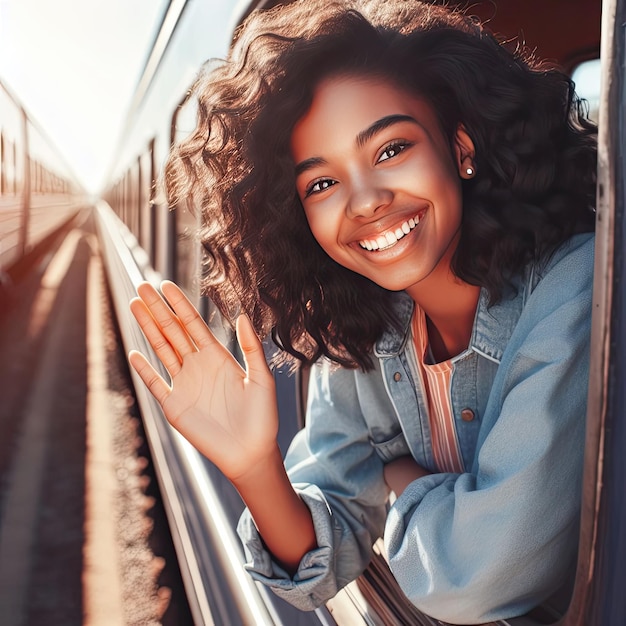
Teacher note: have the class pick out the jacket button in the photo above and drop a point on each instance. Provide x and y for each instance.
(397, 377)
(467, 415)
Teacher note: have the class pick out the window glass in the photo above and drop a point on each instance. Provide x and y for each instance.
(188, 251)
(586, 77)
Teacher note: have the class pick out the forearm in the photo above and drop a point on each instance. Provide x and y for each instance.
(283, 520)
(401, 472)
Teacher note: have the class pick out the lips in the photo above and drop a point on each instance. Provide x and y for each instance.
(389, 238)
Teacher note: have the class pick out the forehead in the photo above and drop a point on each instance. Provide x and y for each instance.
(344, 106)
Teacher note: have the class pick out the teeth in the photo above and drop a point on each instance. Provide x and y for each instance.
(391, 237)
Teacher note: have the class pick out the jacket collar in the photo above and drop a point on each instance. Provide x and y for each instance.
(492, 329)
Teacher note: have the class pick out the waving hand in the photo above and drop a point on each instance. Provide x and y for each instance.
(229, 414)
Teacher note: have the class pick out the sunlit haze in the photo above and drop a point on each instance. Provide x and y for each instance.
(74, 65)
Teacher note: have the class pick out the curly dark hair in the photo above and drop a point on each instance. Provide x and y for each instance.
(535, 158)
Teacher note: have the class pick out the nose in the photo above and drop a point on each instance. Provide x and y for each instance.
(367, 197)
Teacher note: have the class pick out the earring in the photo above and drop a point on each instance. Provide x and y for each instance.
(469, 171)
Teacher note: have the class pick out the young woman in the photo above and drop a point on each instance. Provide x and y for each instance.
(408, 206)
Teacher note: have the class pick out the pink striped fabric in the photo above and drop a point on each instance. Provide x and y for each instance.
(435, 380)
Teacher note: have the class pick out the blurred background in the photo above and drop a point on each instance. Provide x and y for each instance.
(75, 65)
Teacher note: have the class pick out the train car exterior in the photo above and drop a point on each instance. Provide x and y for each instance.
(144, 239)
(38, 192)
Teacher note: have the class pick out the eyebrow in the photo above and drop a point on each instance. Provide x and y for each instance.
(361, 139)
(384, 122)
(309, 164)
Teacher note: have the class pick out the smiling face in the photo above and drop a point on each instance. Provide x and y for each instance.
(380, 183)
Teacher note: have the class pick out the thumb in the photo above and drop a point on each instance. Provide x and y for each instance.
(252, 348)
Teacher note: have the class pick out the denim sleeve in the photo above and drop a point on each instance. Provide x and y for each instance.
(498, 540)
(333, 467)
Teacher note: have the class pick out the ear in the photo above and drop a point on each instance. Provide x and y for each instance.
(464, 153)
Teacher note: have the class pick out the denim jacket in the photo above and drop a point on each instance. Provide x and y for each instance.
(493, 541)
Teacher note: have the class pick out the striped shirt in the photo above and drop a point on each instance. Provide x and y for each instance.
(436, 379)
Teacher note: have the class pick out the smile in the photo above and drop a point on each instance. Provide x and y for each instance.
(391, 237)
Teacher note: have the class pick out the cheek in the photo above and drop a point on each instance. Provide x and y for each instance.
(320, 225)
(325, 230)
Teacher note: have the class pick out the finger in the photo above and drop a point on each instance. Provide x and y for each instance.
(168, 356)
(153, 381)
(188, 315)
(252, 348)
(166, 319)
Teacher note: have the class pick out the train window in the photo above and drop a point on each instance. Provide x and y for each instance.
(151, 200)
(127, 195)
(139, 191)
(128, 202)
(586, 77)
(10, 168)
(188, 250)
(135, 175)
(2, 165)
(144, 164)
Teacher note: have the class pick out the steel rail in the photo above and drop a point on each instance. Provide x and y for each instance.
(207, 548)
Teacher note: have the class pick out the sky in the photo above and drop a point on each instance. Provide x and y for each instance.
(74, 65)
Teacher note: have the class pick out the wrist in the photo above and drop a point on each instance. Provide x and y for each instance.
(264, 471)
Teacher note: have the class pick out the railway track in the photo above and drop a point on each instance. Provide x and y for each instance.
(83, 535)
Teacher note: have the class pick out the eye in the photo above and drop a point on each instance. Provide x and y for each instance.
(318, 186)
(392, 150)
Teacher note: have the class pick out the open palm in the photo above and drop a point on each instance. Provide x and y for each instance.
(229, 414)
